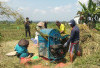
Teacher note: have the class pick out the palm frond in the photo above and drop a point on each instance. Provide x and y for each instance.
(83, 6)
(90, 4)
(94, 7)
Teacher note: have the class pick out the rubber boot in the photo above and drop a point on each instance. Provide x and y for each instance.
(78, 53)
(71, 57)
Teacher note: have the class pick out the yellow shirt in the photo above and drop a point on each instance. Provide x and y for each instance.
(62, 28)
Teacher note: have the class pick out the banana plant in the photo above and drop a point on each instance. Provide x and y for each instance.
(91, 10)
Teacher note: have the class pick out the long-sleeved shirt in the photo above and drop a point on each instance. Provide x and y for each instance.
(21, 49)
(74, 34)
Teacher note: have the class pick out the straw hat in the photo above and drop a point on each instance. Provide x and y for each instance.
(13, 53)
(40, 24)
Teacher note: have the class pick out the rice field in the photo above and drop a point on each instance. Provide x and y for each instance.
(11, 34)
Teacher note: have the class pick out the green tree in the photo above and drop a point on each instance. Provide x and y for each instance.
(6, 11)
(91, 10)
(19, 20)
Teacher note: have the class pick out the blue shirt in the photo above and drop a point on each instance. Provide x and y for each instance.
(74, 33)
(20, 49)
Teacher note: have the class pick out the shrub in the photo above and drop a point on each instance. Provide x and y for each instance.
(0, 36)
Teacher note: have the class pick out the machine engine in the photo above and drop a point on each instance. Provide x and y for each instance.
(50, 44)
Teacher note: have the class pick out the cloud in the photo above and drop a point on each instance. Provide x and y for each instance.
(39, 11)
(61, 9)
(62, 13)
(54, 13)
(4, 0)
(20, 9)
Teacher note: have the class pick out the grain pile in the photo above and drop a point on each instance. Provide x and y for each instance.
(89, 40)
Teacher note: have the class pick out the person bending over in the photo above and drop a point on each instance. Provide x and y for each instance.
(21, 49)
(61, 27)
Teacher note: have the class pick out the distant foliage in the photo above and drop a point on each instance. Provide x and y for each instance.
(89, 13)
(98, 26)
(19, 20)
(7, 12)
(0, 36)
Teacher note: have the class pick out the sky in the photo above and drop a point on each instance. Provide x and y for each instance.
(46, 10)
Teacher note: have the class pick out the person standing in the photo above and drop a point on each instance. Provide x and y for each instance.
(40, 26)
(73, 40)
(27, 27)
(45, 24)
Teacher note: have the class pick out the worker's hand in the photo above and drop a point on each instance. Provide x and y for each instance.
(65, 45)
(62, 32)
(28, 57)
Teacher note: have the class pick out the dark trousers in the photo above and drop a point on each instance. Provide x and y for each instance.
(27, 30)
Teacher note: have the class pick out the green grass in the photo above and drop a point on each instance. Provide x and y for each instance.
(16, 32)
(11, 33)
(5, 61)
(98, 26)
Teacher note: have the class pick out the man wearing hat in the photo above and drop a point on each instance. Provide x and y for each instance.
(27, 27)
(73, 40)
